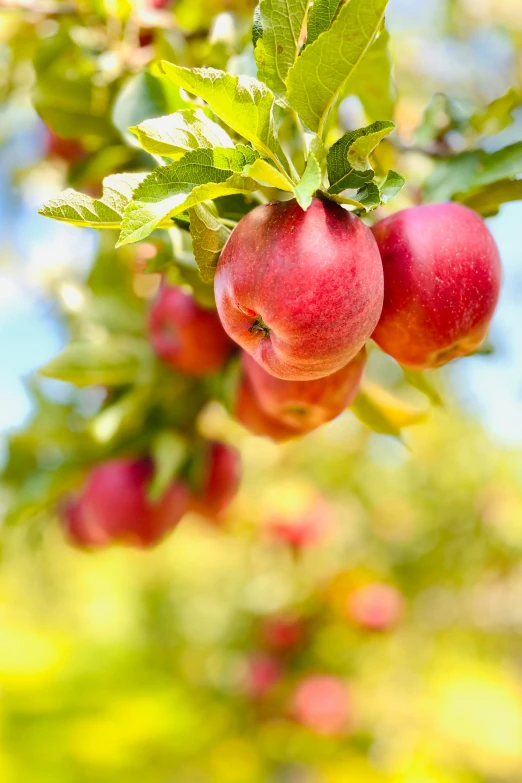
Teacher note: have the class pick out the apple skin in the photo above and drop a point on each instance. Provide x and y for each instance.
(283, 633)
(263, 673)
(248, 411)
(376, 606)
(442, 279)
(322, 703)
(305, 404)
(184, 335)
(113, 507)
(300, 291)
(69, 150)
(220, 481)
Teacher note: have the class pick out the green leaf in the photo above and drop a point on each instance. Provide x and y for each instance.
(320, 18)
(277, 49)
(322, 71)
(372, 82)
(449, 176)
(208, 239)
(502, 164)
(470, 170)
(110, 363)
(487, 199)
(369, 196)
(419, 381)
(266, 174)
(351, 202)
(257, 26)
(107, 212)
(172, 189)
(364, 144)
(243, 103)
(310, 182)
(144, 97)
(391, 186)
(315, 146)
(124, 415)
(497, 115)
(347, 169)
(67, 93)
(384, 413)
(185, 130)
(169, 452)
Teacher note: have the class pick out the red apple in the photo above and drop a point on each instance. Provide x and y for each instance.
(69, 150)
(300, 291)
(442, 279)
(263, 672)
(113, 507)
(248, 411)
(186, 336)
(305, 404)
(376, 606)
(282, 633)
(220, 481)
(322, 703)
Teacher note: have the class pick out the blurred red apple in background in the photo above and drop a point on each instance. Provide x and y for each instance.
(113, 506)
(322, 703)
(282, 633)
(69, 150)
(263, 672)
(305, 404)
(219, 482)
(376, 606)
(442, 279)
(300, 291)
(186, 336)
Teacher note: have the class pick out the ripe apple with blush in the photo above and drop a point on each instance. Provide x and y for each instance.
(186, 336)
(219, 482)
(248, 411)
(301, 291)
(305, 405)
(442, 280)
(113, 507)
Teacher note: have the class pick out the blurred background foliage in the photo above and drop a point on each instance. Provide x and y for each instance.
(357, 614)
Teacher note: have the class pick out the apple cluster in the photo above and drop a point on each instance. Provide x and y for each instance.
(301, 292)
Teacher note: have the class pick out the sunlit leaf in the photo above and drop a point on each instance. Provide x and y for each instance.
(320, 18)
(178, 133)
(323, 69)
(384, 413)
(266, 174)
(372, 82)
(245, 104)
(165, 192)
(277, 49)
(309, 183)
(107, 212)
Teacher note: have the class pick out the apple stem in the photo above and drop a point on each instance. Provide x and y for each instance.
(258, 325)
